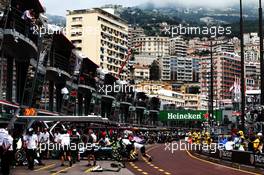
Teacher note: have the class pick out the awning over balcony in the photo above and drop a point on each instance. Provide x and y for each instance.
(29, 4)
(89, 66)
(109, 79)
(61, 54)
(87, 75)
(61, 42)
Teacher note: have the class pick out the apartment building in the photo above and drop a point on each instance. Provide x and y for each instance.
(101, 36)
(252, 73)
(133, 32)
(152, 87)
(152, 45)
(225, 47)
(251, 38)
(195, 66)
(205, 101)
(165, 68)
(144, 59)
(178, 47)
(192, 101)
(170, 99)
(181, 69)
(226, 70)
(141, 72)
(252, 55)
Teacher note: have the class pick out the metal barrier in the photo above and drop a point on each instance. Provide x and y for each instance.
(240, 157)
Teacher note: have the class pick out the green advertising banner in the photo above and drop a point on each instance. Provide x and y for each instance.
(189, 115)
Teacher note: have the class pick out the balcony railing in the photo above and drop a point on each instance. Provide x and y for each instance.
(62, 62)
(89, 80)
(15, 22)
(123, 97)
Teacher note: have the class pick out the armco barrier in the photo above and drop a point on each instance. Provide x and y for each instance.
(241, 157)
(258, 160)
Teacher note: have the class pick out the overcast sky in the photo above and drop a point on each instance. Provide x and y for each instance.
(59, 7)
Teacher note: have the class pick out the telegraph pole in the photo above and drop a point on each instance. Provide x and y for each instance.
(211, 113)
(242, 84)
(261, 53)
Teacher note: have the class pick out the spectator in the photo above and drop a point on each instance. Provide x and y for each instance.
(90, 139)
(257, 145)
(142, 149)
(56, 136)
(239, 140)
(250, 143)
(30, 143)
(104, 141)
(75, 140)
(229, 144)
(7, 153)
(46, 141)
(40, 142)
(65, 147)
(28, 16)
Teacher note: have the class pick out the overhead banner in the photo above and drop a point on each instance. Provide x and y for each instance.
(197, 115)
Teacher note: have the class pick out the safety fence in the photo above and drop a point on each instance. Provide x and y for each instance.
(240, 157)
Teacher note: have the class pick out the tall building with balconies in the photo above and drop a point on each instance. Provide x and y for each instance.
(181, 69)
(192, 101)
(170, 100)
(178, 47)
(101, 36)
(141, 72)
(133, 32)
(225, 47)
(144, 59)
(165, 67)
(195, 62)
(252, 55)
(226, 70)
(252, 73)
(152, 45)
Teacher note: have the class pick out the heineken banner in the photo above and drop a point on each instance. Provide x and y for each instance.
(197, 115)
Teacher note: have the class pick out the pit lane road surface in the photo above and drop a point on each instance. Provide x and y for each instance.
(52, 167)
(179, 163)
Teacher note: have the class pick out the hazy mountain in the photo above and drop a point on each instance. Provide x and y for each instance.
(56, 20)
(191, 14)
(151, 15)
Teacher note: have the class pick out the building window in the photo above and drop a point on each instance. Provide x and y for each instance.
(76, 26)
(76, 19)
(76, 41)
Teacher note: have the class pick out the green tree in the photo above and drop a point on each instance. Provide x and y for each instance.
(154, 71)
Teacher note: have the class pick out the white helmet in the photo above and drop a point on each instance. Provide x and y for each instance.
(2, 130)
(259, 134)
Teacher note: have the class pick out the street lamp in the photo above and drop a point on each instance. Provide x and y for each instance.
(242, 84)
